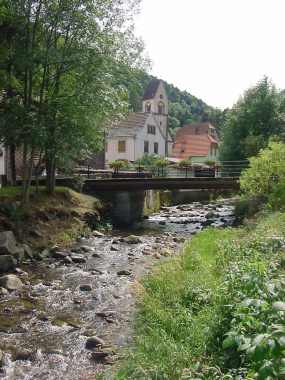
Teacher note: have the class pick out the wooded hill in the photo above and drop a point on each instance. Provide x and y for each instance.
(183, 107)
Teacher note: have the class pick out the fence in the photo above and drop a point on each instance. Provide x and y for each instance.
(222, 169)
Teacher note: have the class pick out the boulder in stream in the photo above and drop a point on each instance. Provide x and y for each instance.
(11, 282)
(132, 239)
(7, 263)
(94, 342)
(124, 273)
(98, 234)
(85, 288)
(8, 243)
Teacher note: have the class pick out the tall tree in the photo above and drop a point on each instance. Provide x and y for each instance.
(257, 116)
(68, 91)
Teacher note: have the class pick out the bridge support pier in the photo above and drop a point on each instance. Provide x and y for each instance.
(127, 207)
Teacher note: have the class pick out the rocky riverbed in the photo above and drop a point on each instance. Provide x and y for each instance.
(73, 311)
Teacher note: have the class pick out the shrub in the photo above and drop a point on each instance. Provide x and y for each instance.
(118, 165)
(266, 171)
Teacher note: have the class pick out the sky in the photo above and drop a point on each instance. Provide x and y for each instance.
(214, 49)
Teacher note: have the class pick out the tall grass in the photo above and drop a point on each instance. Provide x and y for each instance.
(188, 306)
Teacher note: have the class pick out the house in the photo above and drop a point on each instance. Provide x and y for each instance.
(198, 141)
(143, 132)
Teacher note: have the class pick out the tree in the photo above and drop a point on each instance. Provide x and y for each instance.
(67, 89)
(257, 116)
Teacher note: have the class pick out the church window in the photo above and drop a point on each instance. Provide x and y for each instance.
(146, 147)
(151, 129)
(161, 96)
(155, 148)
(122, 146)
(161, 108)
(148, 107)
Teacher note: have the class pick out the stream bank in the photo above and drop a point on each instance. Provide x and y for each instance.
(89, 291)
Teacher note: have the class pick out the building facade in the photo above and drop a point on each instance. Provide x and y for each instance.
(198, 142)
(143, 132)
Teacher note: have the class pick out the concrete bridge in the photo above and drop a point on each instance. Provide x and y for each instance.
(92, 186)
(131, 196)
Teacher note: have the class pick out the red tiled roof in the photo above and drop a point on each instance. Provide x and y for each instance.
(193, 140)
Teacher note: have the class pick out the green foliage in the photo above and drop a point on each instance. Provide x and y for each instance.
(217, 311)
(266, 172)
(256, 117)
(59, 64)
(118, 165)
(161, 162)
(210, 163)
(147, 160)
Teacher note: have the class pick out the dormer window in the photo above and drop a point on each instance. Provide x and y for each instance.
(148, 107)
(161, 108)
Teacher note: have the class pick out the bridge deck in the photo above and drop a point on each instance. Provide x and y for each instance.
(136, 184)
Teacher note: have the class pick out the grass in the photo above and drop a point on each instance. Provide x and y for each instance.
(190, 304)
(59, 218)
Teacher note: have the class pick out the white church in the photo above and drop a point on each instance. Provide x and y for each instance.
(143, 132)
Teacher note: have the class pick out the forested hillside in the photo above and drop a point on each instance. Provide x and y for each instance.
(183, 108)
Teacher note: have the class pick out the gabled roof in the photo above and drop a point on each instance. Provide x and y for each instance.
(151, 89)
(135, 119)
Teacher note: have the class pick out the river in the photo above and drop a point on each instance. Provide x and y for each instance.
(44, 330)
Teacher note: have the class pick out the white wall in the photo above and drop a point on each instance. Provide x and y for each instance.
(143, 136)
(112, 153)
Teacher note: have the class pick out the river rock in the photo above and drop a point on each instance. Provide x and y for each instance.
(132, 239)
(24, 355)
(44, 254)
(177, 239)
(94, 342)
(78, 259)
(19, 254)
(85, 288)
(98, 234)
(114, 249)
(28, 251)
(61, 255)
(8, 243)
(124, 273)
(100, 356)
(3, 292)
(1, 358)
(11, 282)
(86, 249)
(7, 263)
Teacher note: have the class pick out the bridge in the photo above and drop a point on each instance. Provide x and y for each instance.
(140, 184)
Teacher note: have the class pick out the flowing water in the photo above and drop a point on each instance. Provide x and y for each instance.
(43, 330)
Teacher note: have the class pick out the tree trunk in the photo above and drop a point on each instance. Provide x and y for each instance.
(28, 172)
(50, 182)
(12, 153)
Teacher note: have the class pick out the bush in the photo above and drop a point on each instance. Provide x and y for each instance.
(266, 171)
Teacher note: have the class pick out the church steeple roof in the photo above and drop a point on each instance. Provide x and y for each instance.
(151, 89)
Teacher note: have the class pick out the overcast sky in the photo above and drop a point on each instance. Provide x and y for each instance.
(215, 49)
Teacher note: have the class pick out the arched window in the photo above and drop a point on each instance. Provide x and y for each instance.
(161, 108)
(148, 107)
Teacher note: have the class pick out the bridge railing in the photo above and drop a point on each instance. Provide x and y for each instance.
(222, 169)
